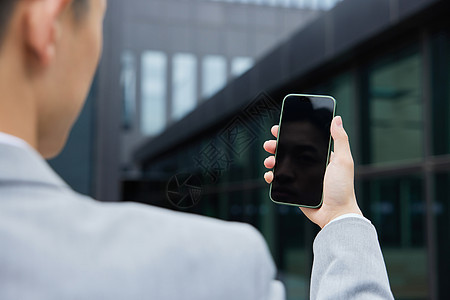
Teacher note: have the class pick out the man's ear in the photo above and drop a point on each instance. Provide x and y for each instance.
(42, 27)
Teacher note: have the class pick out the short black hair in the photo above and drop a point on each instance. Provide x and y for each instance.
(7, 7)
(304, 111)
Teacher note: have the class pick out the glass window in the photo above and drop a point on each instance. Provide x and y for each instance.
(341, 88)
(394, 129)
(214, 70)
(396, 207)
(128, 82)
(308, 4)
(184, 85)
(240, 65)
(440, 82)
(442, 218)
(154, 83)
(328, 4)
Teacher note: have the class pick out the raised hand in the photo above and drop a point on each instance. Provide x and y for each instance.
(338, 191)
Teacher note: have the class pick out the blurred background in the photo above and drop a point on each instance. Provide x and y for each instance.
(187, 90)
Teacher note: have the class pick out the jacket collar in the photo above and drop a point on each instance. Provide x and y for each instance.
(26, 165)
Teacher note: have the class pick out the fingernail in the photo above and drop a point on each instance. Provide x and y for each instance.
(339, 121)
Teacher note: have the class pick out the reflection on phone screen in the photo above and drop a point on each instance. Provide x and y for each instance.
(303, 150)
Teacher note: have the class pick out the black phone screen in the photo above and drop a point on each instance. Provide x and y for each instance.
(303, 149)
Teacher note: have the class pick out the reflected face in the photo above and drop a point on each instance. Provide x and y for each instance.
(300, 164)
(302, 150)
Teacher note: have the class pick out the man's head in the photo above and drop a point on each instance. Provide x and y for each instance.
(49, 51)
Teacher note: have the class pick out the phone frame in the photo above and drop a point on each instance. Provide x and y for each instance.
(276, 149)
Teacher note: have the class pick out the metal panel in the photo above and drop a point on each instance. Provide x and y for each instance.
(407, 7)
(307, 48)
(356, 20)
(274, 71)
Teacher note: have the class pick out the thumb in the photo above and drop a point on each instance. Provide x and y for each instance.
(340, 138)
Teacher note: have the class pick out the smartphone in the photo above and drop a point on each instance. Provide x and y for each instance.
(303, 150)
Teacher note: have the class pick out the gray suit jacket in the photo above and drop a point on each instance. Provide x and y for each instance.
(348, 263)
(58, 244)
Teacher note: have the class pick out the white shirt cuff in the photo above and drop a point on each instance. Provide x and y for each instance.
(351, 215)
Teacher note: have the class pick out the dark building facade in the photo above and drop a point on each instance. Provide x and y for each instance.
(387, 63)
